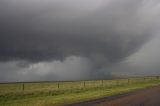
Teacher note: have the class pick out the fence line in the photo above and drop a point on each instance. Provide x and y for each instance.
(77, 84)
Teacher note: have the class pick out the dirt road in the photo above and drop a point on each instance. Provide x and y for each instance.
(147, 97)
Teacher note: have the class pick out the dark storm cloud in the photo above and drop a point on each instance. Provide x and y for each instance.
(104, 31)
(34, 31)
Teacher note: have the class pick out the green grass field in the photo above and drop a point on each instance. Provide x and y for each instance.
(61, 93)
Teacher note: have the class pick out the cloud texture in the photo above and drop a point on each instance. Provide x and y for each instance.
(101, 33)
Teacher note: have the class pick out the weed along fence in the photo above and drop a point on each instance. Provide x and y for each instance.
(56, 93)
(70, 85)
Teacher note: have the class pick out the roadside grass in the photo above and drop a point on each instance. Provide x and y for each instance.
(48, 94)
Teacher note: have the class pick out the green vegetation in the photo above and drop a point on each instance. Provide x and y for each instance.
(60, 93)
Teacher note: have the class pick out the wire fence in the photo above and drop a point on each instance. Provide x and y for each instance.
(69, 85)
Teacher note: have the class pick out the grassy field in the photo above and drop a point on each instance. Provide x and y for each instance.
(60, 93)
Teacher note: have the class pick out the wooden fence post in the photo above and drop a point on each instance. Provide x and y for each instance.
(22, 86)
(102, 82)
(84, 84)
(128, 81)
(58, 85)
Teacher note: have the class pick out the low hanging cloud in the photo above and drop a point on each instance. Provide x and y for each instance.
(100, 33)
(71, 68)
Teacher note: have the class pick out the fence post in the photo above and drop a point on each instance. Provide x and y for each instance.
(128, 81)
(102, 82)
(22, 86)
(84, 84)
(58, 84)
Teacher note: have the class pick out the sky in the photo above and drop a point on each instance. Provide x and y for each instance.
(56, 40)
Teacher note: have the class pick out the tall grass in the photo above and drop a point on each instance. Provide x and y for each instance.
(58, 93)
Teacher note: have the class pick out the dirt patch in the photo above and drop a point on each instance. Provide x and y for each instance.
(147, 97)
